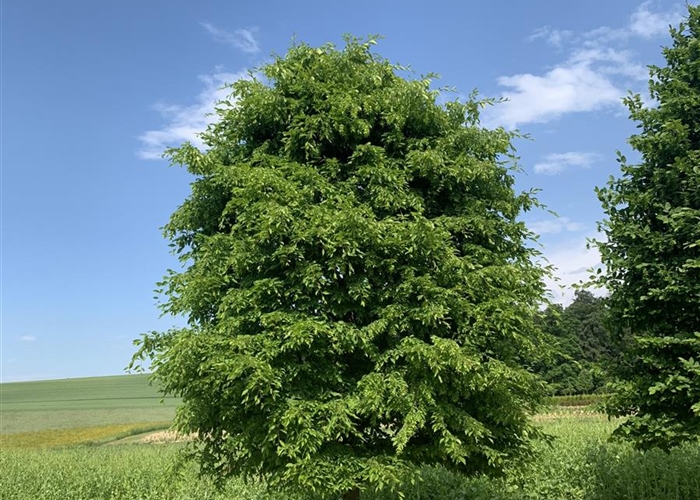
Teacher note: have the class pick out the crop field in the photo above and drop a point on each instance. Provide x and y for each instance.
(59, 412)
(81, 439)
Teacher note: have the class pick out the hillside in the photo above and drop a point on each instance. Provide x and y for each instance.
(81, 402)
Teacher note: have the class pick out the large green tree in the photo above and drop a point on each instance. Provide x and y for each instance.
(652, 254)
(582, 346)
(360, 294)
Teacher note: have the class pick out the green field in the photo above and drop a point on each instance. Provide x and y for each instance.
(55, 434)
(28, 407)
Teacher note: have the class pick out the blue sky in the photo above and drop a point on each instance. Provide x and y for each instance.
(93, 91)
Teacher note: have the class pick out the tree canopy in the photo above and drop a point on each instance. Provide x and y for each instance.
(361, 297)
(583, 347)
(652, 253)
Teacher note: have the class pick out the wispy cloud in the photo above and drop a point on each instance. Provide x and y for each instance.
(552, 36)
(27, 338)
(242, 39)
(555, 226)
(608, 61)
(572, 260)
(186, 122)
(558, 162)
(648, 24)
(594, 75)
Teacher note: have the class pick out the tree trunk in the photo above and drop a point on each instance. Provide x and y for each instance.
(353, 494)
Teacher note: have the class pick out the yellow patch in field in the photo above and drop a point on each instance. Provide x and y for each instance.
(68, 437)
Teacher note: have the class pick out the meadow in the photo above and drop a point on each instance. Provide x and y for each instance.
(580, 462)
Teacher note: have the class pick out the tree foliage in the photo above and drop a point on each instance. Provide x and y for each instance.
(652, 253)
(360, 294)
(583, 346)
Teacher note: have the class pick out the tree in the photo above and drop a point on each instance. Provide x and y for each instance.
(594, 339)
(360, 295)
(652, 254)
(583, 347)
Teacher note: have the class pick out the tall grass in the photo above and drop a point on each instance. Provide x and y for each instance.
(580, 464)
(109, 473)
(619, 473)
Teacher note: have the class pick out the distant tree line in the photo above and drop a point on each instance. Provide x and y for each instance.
(583, 346)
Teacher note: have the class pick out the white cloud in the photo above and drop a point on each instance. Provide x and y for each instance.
(27, 338)
(597, 70)
(554, 226)
(572, 260)
(185, 122)
(571, 87)
(242, 38)
(648, 24)
(551, 36)
(609, 61)
(558, 162)
(604, 35)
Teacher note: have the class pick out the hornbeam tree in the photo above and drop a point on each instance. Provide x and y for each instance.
(652, 254)
(361, 296)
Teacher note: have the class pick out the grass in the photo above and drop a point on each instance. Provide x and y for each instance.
(114, 472)
(580, 464)
(49, 449)
(87, 402)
